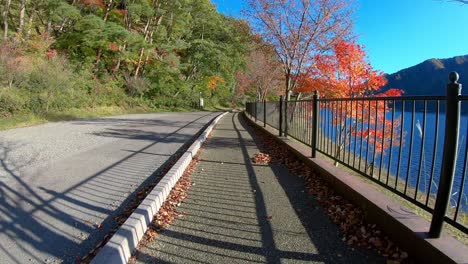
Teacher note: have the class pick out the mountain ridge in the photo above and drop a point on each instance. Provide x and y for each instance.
(428, 77)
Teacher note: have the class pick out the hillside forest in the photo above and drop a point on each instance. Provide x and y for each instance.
(59, 55)
(71, 58)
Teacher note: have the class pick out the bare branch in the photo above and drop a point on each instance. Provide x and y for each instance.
(299, 29)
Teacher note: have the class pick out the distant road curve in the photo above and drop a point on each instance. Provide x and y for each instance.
(62, 184)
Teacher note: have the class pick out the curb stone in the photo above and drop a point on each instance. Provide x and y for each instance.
(120, 247)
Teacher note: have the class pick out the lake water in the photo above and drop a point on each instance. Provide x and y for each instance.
(423, 161)
(413, 165)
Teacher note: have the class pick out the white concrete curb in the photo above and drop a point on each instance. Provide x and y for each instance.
(120, 247)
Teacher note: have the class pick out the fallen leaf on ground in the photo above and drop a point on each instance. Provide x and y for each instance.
(261, 158)
(348, 217)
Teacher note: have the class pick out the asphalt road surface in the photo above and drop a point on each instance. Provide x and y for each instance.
(62, 184)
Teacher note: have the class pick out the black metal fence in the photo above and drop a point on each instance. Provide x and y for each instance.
(417, 147)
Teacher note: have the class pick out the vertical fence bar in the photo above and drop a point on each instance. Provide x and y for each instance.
(329, 127)
(355, 133)
(421, 153)
(286, 125)
(410, 154)
(340, 119)
(449, 158)
(383, 137)
(255, 111)
(345, 132)
(362, 135)
(401, 143)
(264, 113)
(374, 154)
(281, 116)
(368, 136)
(350, 131)
(335, 119)
(462, 182)
(319, 128)
(391, 142)
(315, 110)
(434, 157)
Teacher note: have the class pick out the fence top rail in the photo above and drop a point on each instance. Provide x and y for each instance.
(376, 98)
(388, 98)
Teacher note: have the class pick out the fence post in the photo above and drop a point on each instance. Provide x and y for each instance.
(315, 109)
(255, 110)
(281, 116)
(264, 113)
(449, 158)
(285, 132)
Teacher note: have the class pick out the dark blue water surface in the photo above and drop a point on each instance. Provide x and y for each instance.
(417, 160)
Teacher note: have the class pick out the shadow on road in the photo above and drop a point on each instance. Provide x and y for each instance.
(70, 223)
(235, 215)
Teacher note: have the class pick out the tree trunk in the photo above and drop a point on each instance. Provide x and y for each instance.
(99, 51)
(157, 6)
(288, 84)
(140, 60)
(108, 9)
(158, 23)
(62, 25)
(142, 50)
(119, 61)
(30, 23)
(21, 17)
(98, 59)
(49, 27)
(5, 19)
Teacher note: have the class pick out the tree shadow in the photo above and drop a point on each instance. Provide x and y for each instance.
(137, 120)
(323, 233)
(39, 222)
(229, 213)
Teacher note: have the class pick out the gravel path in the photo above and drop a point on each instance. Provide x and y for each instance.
(240, 212)
(62, 184)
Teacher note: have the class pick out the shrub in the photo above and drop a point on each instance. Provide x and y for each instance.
(11, 102)
(137, 86)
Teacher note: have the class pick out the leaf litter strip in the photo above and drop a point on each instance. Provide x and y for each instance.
(168, 211)
(141, 195)
(347, 216)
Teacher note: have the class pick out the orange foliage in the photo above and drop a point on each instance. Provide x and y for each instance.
(121, 12)
(214, 81)
(113, 46)
(94, 2)
(346, 74)
(51, 53)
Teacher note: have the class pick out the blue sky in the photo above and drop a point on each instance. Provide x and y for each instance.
(401, 33)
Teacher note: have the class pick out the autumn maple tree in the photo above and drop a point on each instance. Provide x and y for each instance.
(262, 75)
(299, 30)
(345, 73)
(342, 73)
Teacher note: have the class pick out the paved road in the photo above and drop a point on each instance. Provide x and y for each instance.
(62, 184)
(240, 212)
